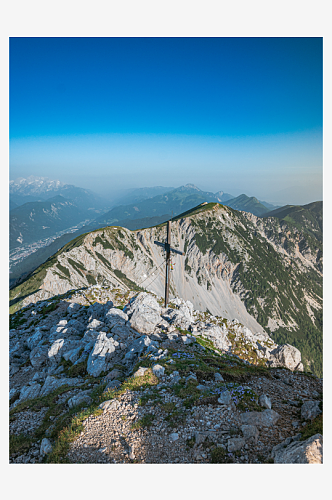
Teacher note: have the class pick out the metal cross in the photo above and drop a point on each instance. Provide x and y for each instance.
(169, 249)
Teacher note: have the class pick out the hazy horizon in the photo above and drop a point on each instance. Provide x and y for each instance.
(241, 115)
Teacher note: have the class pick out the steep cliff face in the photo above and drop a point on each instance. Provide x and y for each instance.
(264, 272)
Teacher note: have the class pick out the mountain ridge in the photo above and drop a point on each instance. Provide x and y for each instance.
(224, 270)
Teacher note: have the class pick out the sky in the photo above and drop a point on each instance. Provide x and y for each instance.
(241, 115)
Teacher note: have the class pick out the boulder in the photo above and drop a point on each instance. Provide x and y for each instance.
(60, 347)
(218, 377)
(136, 348)
(35, 339)
(145, 299)
(218, 336)
(225, 398)
(265, 401)
(122, 331)
(73, 354)
(300, 452)
(235, 444)
(45, 447)
(310, 410)
(73, 307)
(29, 392)
(285, 355)
(96, 311)
(90, 336)
(158, 370)
(140, 372)
(100, 355)
(95, 324)
(52, 383)
(250, 431)
(144, 319)
(82, 397)
(39, 356)
(144, 313)
(115, 317)
(188, 340)
(175, 377)
(77, 325)
(264, 418)
(111, 404)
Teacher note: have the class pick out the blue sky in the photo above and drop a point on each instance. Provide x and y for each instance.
(231, 114)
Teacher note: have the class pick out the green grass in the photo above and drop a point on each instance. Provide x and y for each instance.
(145, 421)
(219, 455)
(312, 428)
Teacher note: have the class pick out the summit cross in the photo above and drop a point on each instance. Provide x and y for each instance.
(169, 249)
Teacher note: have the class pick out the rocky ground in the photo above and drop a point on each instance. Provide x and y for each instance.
(124, 380)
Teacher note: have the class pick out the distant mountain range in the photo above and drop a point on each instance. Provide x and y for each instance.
(176, 201)
(35, 189)
(41, 208)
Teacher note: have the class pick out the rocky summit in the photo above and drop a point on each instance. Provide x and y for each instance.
(103, 375)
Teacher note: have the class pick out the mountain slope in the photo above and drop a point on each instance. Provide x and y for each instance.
(36, 220)
(264, 272)
(247, 204)
(308, 218)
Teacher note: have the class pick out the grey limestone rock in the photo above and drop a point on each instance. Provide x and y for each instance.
(95, 324)
(218, 336)
(115, 373)
(144, 319)
(77, 325)
(285, 355)
(122, 331)
(250, 431)
(115, 317)
(310, 410)
(300, 452)
(112, 384)
(73, 307)
(218, 377)
(73, 354)
(60, 347)
(96, 311)
(111, 404)
(140, 372)
(82, 397)
(39, 356)
(136, 348)
(45, 447)
(29, 392)
(158, 370)
(144, 313)
(99, 357)
(52, 383)
(35, 339)
(265, 401)
(225, 398)
(264, 418)
(235, 444)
